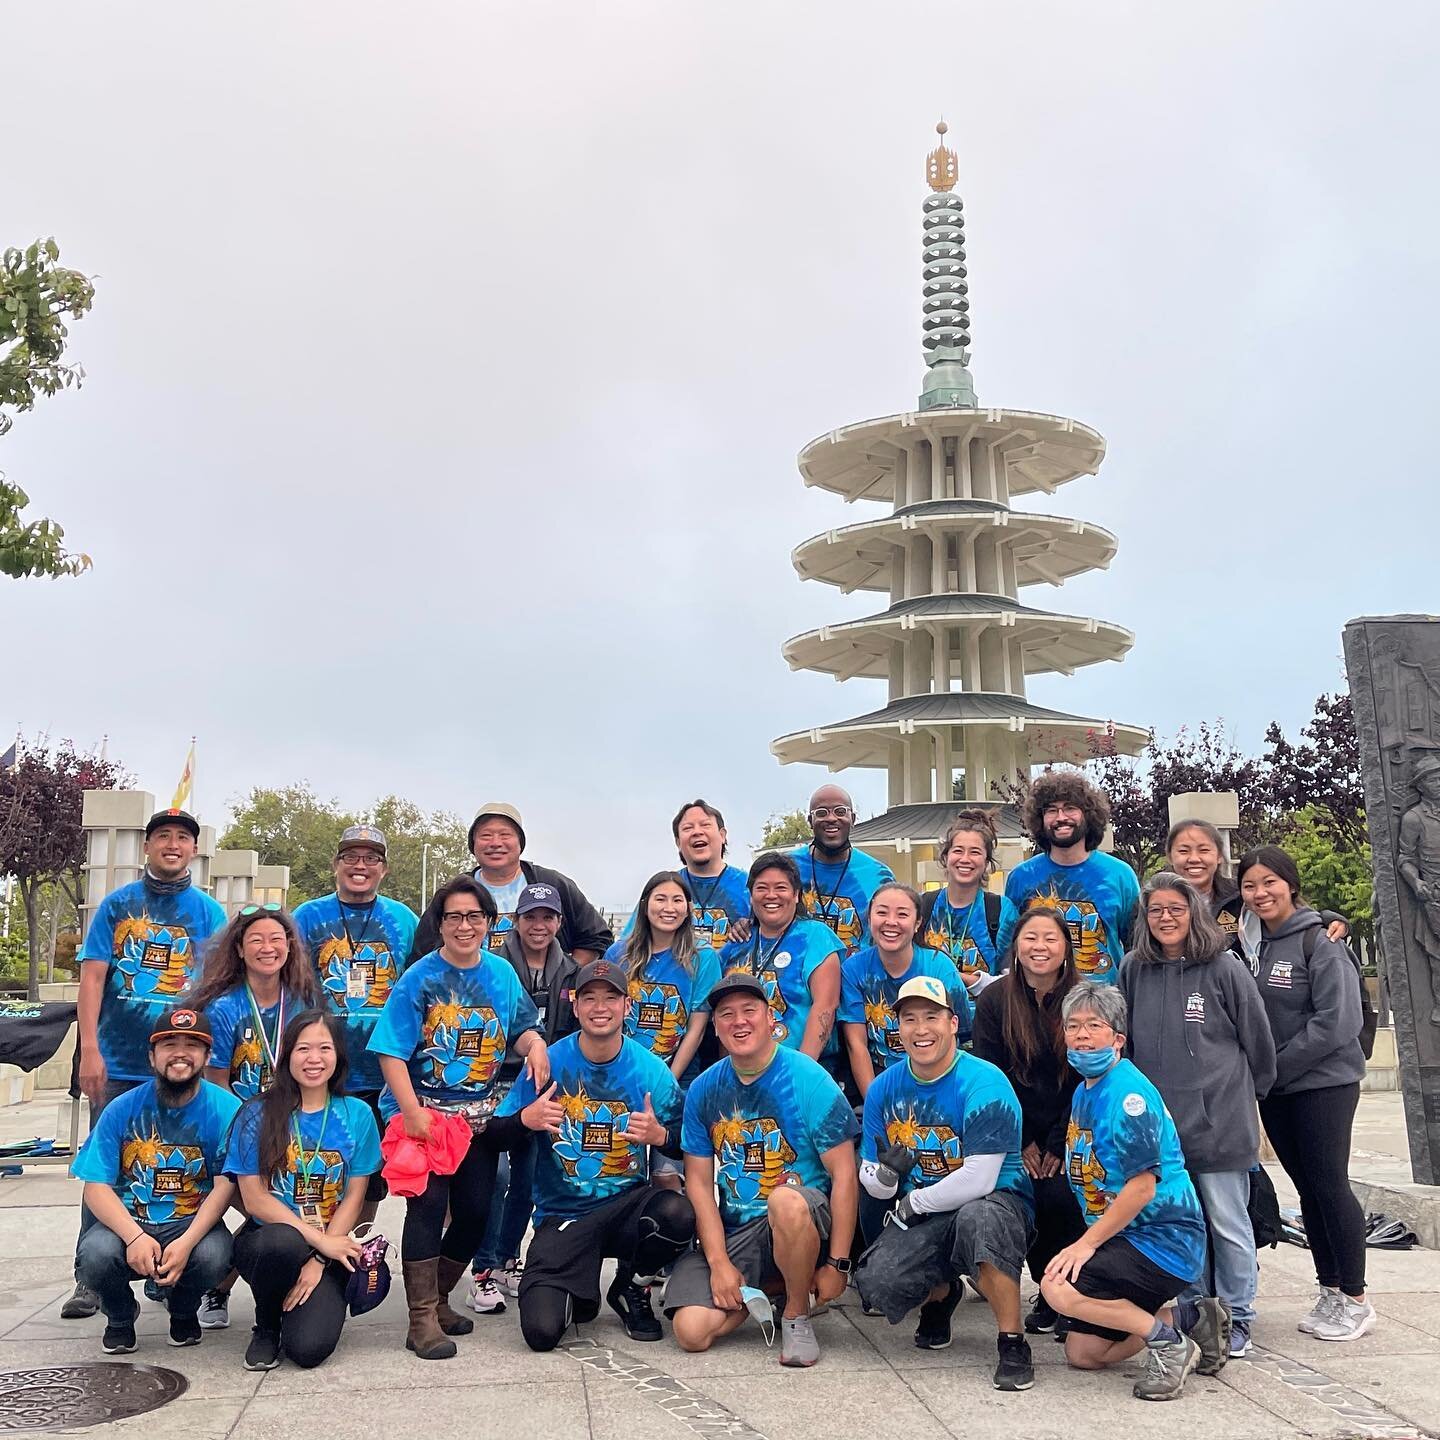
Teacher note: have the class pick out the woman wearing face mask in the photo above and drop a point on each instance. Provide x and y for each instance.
(1311, 993)
(965, 921)
(1017, 1027)
(1198, 1031)
(1145, 1236)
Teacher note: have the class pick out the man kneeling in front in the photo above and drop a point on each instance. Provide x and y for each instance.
(153, 1180)
(942, 1132)
(773, 1130)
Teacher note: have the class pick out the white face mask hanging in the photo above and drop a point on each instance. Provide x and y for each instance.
(757, 1302)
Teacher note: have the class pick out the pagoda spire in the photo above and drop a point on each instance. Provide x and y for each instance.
(948, 384)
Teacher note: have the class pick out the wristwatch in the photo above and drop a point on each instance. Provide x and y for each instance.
(843, 1263)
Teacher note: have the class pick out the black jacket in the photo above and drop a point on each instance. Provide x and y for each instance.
(1045, 1096)
(582, 926)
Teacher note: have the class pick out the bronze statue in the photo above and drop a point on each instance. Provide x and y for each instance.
(1419, 866)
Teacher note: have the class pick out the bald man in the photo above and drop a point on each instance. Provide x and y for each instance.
(837, 880)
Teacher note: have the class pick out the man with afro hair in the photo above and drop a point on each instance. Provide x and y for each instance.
(1095, 895)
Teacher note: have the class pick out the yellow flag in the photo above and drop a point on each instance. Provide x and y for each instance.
(187, 780)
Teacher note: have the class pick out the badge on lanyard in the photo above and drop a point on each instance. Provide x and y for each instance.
(359, 979)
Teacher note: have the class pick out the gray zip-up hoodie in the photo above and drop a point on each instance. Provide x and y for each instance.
(1198, 1031)
(1313, 1005)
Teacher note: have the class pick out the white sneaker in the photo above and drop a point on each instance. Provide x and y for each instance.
(485, 1298)
(1325, 1302)
(1348, 1320)
(508, 1279)
(215, 1310)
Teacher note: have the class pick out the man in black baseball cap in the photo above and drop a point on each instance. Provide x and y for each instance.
(173, 816)
(154, 1183)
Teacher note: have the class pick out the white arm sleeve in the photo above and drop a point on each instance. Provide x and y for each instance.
(873, 1184)
(976, 1177)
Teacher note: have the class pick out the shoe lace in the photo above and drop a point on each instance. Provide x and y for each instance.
(1159, 1366)
(1330, 1305)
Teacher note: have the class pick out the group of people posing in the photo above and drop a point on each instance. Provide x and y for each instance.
(775, 1083)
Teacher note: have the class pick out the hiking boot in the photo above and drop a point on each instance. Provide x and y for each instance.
(184, 1330)
(422, 1295)
(215, 1310)
(631, 1302)
(1325, 1302)
(1041, 1319)
(485, 1296)
(1211, 1332)
(798, 1345)
(933, 1331)
(447, 1274)
(1348, 1320)
(263, 1352)
(80, 1304)
(1239, 1339)
(1166, 1367)
(1016, 1370)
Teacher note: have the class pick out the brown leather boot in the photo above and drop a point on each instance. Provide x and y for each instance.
(422, 1294)
(451, 1321)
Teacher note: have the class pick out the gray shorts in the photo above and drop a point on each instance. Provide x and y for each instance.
(750, 1253)
(898, 1272)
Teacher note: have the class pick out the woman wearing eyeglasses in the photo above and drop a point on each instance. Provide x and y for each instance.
(1198, 1031)
(441, 1040)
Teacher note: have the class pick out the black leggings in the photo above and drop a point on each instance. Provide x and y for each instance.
(465, 1195)
(1058, 1222)
(1310, 1131)
(269, 1258)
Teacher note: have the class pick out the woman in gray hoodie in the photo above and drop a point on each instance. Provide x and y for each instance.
(1198, 1030)
(1311, 990)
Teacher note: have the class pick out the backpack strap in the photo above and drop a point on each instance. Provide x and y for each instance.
(992, 917)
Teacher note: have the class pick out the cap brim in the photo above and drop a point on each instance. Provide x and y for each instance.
(184, 1035)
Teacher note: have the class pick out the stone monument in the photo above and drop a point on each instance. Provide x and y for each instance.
(1393, 663)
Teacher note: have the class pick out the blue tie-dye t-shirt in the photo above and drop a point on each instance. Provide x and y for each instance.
(716, 902)
(237, 1046)
(785, 966)
(663, 996)
(969, 1110)
(337, 1144)
(964, 935)
(358, 970)
(1120, 1128)
(153, 945)
(767, 1133)
(592, 1160)
(838, 895)
(452, 1027)
(161, 1162)
(868, 991)
(506, 898)
(1096, 899)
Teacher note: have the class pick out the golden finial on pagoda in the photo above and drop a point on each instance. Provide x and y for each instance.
(941, 169)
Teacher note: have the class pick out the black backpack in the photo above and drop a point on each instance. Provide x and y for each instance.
(1368, 1018)
(931, 898)
(1264, 1209)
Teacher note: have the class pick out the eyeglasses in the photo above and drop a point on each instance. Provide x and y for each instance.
(1087, 1027)
(1159, 912)
(271, 908)
(824, 812)
(472, 918)
(362, 857)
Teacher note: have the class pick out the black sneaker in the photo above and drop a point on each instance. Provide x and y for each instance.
(81, 1304)
(263, 1352)
(1062, 1328)
(118, 1339)
(631, 1302)
(1016, 1370)
(933, 1331)
(1041, 1319)
(184, 1330)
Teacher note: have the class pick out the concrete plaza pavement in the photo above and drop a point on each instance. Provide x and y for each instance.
(870, 1381)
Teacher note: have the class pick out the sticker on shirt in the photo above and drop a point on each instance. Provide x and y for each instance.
(152, 959)
(359, 981)
(166, 1182)
(1088, 935)
(1133, 1105)
(1282, 975)
(937, 1148)
(463, 1045)
(592, 1144)
(1195, 1008)
(754, 1156)
(838, 913)
(657, 1015)
(1085, 1170)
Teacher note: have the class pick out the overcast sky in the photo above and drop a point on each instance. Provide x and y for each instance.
(449, 363)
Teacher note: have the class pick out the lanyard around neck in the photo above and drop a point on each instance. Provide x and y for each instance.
(759, 959)
(270, 1046)
(351, 942)
(826, 901)
(306, 1166)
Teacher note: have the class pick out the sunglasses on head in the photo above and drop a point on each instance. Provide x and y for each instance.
(270, 907)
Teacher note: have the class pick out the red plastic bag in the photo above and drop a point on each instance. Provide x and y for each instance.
(409, 1163)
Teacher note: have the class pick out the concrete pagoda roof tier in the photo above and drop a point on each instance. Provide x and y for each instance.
(1041, 452)
(1047, 549)
(870, 741)
(1051, 642)
(905, 825)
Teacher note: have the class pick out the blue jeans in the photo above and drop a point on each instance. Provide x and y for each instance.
(1233, 1271)
(100, 1263)
(511, 1206)
(114, 1089)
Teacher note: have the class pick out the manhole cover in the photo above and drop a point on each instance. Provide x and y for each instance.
(54, 1397)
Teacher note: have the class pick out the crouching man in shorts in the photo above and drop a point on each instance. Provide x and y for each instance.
(772, 1130)
(609, 1103)
(942, 1132)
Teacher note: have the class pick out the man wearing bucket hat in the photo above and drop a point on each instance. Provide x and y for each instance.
(154, 1181)
(497, 840)
(941, 1138)
(141, 953)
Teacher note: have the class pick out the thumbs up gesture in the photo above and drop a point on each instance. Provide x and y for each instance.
(544, 1113)
(643, 1128)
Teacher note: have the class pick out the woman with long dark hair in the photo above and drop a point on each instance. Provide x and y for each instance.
(442, 1039)
(1311, 992)
(1018, 1027)
(302, 1154)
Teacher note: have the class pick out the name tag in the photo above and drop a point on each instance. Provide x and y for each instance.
(359, 978)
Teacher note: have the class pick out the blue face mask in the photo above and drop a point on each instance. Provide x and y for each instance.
(1091, 1064)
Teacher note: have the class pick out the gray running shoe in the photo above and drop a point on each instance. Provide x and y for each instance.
(1211, 1332)
(1325, 1302)
(798, 1345)
(81, 1303)
(1349, 1320)
(1166, 1367)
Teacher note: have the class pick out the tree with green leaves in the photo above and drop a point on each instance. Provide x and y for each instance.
(783, 830)
(37, 296)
